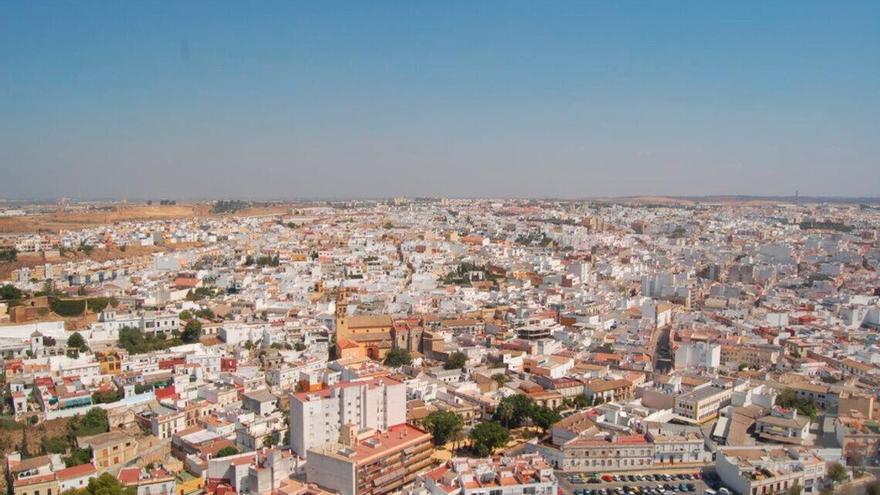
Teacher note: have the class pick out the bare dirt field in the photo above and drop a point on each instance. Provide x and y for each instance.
(55, 222)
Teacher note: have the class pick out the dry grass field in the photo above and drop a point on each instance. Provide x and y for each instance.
(55, 222)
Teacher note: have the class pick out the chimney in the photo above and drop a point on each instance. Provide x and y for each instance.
(348, 435)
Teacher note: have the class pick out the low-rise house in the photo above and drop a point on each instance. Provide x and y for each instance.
(157, 481)
(524, 474)
(702, 404)
(608, 390)
(259, 473)
(783, 426)
(767, 470)
(110, 449)
(260, 402)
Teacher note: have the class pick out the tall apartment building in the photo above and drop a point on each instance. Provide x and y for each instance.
(370, 463)
(698, 355)
(317, 418)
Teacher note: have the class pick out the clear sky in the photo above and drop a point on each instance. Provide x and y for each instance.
(190, 99)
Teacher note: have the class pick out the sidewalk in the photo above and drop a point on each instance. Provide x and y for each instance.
(688, 468)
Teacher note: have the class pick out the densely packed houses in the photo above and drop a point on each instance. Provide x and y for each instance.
(470, 347)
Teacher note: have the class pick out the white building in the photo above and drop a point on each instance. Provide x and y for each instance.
(698, 355)
(316, 418)
(766, 470)
(524, 474)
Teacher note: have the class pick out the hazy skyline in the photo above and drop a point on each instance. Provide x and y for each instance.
(463, 99)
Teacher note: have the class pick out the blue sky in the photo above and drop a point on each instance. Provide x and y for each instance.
(375, 99)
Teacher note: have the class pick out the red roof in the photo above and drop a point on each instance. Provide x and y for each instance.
(129, 475)
(76, 472)
(168, 392)
(185, 282)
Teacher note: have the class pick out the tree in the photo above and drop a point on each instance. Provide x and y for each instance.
(544, 417)
(8, 255)
(837, 472)
(500, 378)
(76, 341)
(56, 445)
(269, 441)
(606, 348)
(456, 360)
(488, 436)
(192, 332)
(514, 410)
(10, 292)
(23, 447)
(788, 398)
(106, 484)
(78, 457)
(398, 357)
(581, 401)
(205, 313)
(443, 425)
(185, 315)
(299, 347)
(93, 422)
(795, 489)
(105, 397)
(226, 452)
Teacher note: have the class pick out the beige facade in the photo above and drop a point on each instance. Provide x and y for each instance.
(110, 449)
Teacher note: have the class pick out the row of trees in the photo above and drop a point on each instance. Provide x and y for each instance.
(10, 292)
(485, 437)
(76, 307)
(134, 341)
(228, 206)
(402, 357)
(8, 255)
(512, 412)
(515, 410)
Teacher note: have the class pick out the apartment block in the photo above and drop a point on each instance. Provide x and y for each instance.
(370, 463)
(317, 418)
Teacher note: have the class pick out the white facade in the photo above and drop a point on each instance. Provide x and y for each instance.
(317, 418)
(698, 355)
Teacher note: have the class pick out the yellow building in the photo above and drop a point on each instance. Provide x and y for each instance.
(371, 332)
(110, 449)
(111, 362)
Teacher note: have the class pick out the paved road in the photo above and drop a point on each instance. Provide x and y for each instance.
(662, 350)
